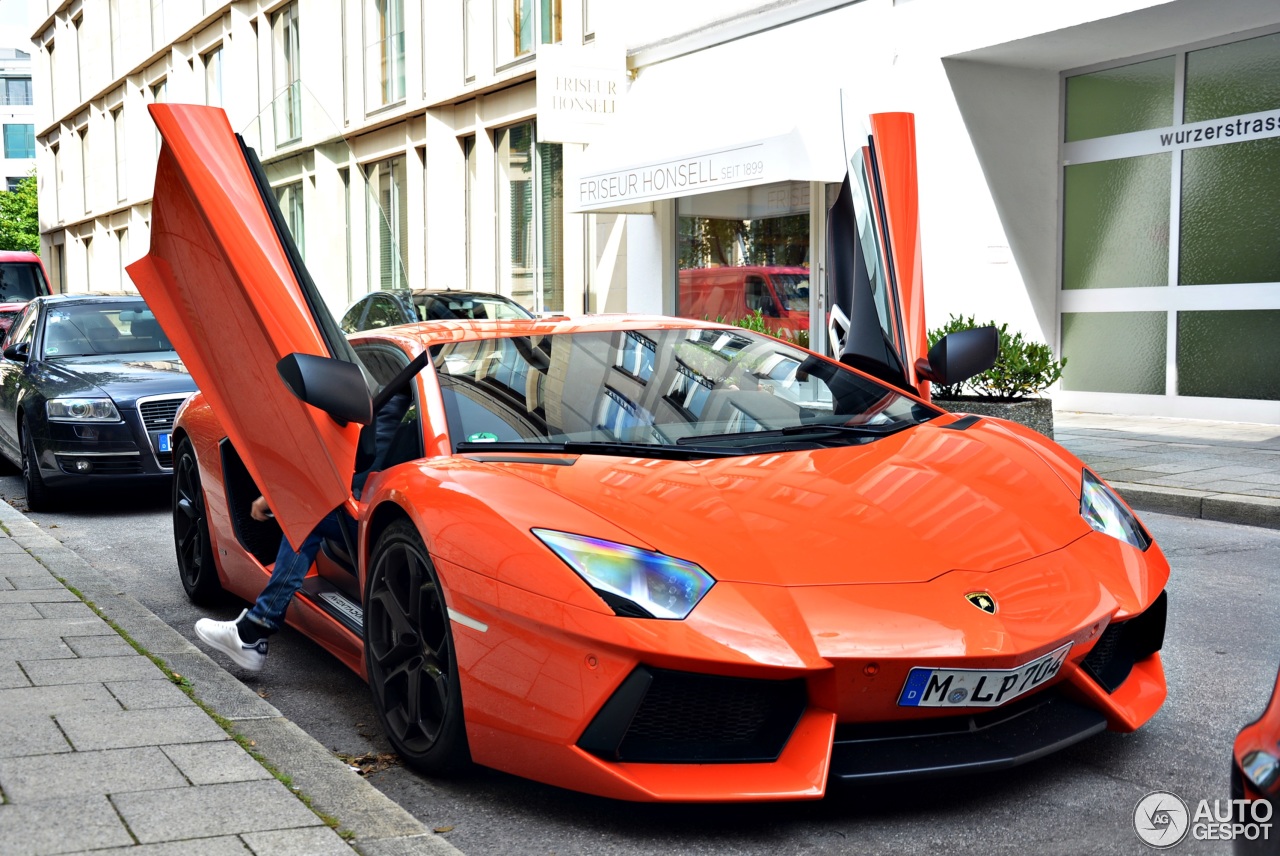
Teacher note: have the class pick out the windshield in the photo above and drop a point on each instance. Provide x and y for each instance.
(793, 290)
(730, 391)
(89, 329)
(433, 308)
(21, 281)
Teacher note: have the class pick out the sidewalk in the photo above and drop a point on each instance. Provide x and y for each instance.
(102, 751)
(1225, 471)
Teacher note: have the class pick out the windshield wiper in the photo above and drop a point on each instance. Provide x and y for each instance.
(598, 447)
(816, 429)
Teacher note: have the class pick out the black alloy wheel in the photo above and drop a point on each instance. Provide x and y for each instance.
(196, 564)
(409, 655)
(39, 495)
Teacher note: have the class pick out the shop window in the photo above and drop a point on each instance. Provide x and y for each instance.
(388, 226)
(1115, 351)
(19, 141)
(287, 70)
(1229, 354)
(745, 250)
(525, 24)
(1230, 214)
(530, 179)
(1232, 80)
(384, 54)
(1119, 100)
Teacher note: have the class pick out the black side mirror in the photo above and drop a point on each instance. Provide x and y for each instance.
(18, 353)
(334, 386)
(961, 355)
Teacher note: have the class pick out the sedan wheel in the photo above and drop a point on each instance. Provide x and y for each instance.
(39, 496)
(191, 529)
(409, 654)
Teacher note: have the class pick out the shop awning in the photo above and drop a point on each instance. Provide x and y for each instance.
(678, 137)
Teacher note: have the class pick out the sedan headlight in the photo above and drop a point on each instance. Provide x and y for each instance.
(637, 583)
(1104, 511)
(81, 410)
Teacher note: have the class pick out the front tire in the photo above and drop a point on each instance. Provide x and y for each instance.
(409, 655)
(39, 494)
(196, 565)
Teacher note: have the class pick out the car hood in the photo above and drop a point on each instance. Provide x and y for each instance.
(906, 508)
(124, 378)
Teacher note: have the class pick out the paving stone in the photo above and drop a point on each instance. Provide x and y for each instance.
(8, 545)
(123, 728)
(215, 763)
(5, 585)
(46, 627)
(209, 810)
(99, 646)
(40, 828)
(88, 670)
(56, 700)
(18, 612)
(321, 841)
(146, 695)
(226, 845)
(30, 734)
(72, 611)
(30, 575)
(36, 595)
(113, 771)
(11, 675)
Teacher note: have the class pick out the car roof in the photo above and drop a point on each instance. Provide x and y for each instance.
(428, 333)
(18, 256)
(88, 297)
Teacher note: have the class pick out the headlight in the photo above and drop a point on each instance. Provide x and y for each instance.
(635, 582)
(1104, 511)
(81, 410)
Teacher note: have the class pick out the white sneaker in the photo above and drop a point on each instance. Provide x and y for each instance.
(223, 636)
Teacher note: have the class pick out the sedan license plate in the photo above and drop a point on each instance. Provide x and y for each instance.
(164, 442)
(978, 687)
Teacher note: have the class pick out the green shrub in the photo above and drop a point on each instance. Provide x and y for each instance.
(1024, 368)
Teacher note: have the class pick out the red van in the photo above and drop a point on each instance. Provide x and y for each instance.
(729, 294)
(22, 277)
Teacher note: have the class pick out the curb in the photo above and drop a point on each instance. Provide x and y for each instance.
(1221, 507)
(379, 825)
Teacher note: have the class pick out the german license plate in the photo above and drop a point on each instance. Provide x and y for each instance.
(164, 442)
(978, 687)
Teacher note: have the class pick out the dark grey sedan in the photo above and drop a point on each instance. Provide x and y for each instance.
(89, 387)
(404, 306)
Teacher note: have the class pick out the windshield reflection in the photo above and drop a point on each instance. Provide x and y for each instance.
(660, 388)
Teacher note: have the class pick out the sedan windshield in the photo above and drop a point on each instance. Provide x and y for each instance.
(89, 329)
(681, 393)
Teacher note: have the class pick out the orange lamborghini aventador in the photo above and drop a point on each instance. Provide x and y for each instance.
(644, 557)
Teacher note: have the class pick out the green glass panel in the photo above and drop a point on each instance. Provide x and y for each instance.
(1231, 80)
(1115, 223)
(1134, 97)
(1114, 351)
(1229, 354)
(1230, 214)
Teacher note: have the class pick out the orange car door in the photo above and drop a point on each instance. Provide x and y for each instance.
(228, 286)
(874, 255)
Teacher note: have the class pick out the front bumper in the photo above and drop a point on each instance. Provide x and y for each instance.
(128, 451)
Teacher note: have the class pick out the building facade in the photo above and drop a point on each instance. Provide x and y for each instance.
(1100, 174)
(16, 116)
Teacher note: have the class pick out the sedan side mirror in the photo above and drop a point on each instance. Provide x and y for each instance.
(17, 353)
(961, 355)
(334, 386)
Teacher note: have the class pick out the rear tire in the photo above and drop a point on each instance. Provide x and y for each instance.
(39, 494)
(196, 566)
(409, 655)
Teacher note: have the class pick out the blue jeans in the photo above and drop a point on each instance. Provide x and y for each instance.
(288, 572)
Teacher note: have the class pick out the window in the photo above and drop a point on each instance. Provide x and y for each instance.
(113, 22)
(122, 254)
(289, 197)
(383, 312)
(158, 92)
(87, 241)
(122, 154)
(19, 141)
(75, 24)
(84, 167)
(388, 226)
(213, 77)
(469, 158)
(16, 91)
(384, 55)
(530, 23)
(12, 182)
(287, 74)
(474, 53)
(530, 219)
(157, 24)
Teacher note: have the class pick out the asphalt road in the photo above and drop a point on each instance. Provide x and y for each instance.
(1221, 656)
